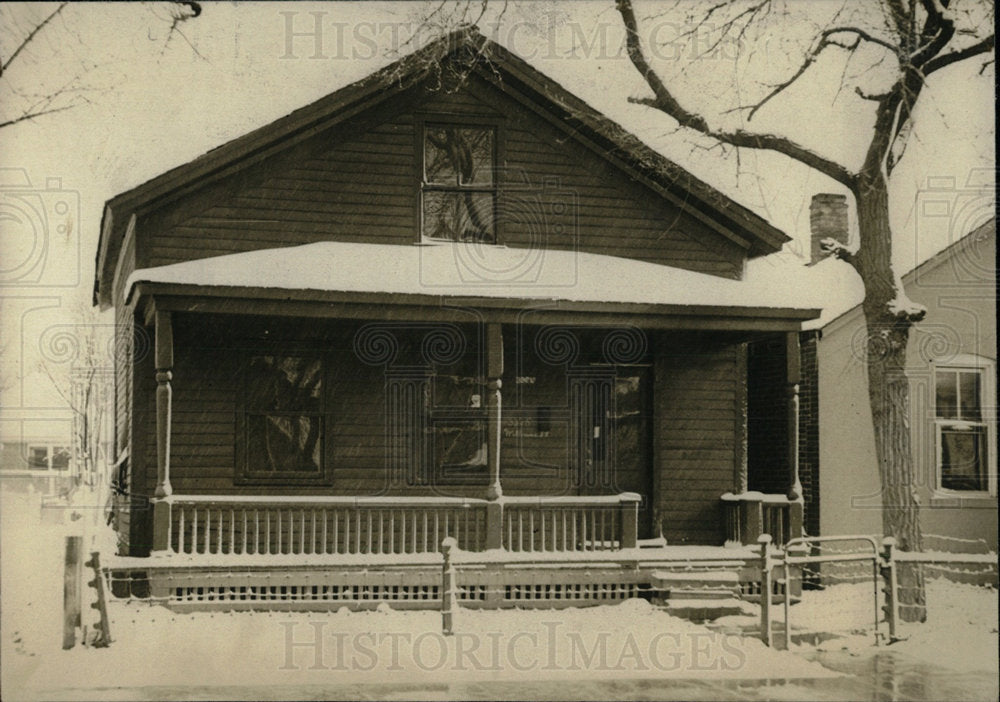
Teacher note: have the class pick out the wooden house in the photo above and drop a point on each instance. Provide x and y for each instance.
(449, 299)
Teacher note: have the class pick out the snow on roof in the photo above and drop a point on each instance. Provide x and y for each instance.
(478, 270)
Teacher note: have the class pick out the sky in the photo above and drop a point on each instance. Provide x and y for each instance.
(145, 100)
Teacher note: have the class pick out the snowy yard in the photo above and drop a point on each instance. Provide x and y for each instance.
(288, 654)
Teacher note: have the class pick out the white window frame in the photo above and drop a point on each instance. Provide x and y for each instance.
(50, 452)
(987, 401)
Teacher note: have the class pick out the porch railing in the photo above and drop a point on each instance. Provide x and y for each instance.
(750, 514)
(327, 525)
(269, 525)
(599, 523)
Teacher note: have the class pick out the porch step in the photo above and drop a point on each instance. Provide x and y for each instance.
(706, 609)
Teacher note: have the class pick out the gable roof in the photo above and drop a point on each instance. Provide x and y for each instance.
(492, 62)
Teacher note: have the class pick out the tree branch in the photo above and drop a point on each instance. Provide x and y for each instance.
(667, 103)
(832, 247)
(32, 115)
(824, 40)
(983, 46)
(31, 35)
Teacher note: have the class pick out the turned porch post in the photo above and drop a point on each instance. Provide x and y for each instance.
(164, 358)
(494, 371)
(794, 377)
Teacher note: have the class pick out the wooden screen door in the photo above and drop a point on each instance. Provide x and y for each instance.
(612, 435)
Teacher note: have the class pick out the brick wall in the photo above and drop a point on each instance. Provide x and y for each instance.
(809, 429)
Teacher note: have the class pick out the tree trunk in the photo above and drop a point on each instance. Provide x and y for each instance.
(888, 318)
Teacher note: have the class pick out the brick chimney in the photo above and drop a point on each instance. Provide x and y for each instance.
(827, 220)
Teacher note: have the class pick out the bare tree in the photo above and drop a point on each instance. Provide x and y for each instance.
(917, 38)
(31, 35)
(77, 357)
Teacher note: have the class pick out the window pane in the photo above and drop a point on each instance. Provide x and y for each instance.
(38, 457)
(947, 394)
(969, 392)
(458, 156)
(60, 458)
(284, 443)
(458, 216)
(284, 383)
(476, 148)
(962, 464)
(460, 446)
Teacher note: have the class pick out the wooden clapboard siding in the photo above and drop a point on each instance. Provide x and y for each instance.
(359, 182)
(695, 439)
(206, 405)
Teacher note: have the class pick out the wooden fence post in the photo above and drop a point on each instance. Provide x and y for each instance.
(449, 594)
(71, 589)
(890, 585)
(766, 583)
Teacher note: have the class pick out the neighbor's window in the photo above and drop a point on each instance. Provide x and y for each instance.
(962, 444)
(283, 429)
(48, 457)
(459, 189)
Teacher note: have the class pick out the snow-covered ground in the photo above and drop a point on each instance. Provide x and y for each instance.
(156, 648)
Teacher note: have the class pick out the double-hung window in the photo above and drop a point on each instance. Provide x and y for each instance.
(283, 419)
(47, 457)
(962, 429)
(458, 189)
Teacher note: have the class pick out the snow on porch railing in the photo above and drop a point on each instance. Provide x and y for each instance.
(268, 525)
(595, 523)
(323, 525)
(750, 514)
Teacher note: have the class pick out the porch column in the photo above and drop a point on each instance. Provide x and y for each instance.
(794, 376)
(164, 358)
(494, 371)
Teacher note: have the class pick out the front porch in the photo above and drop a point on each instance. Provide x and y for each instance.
(297, 553)
(331, 445)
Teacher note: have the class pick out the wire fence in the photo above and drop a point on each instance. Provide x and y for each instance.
(876, 585)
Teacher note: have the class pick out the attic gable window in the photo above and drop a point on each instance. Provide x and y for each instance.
(458, 190)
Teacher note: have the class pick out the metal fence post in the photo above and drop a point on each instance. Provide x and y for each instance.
(449, 594)
(786, 575)
(890, 585)
(765, 588)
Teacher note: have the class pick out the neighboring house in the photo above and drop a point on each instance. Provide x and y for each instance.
(951, 363)
(449, 299)
(44, 462)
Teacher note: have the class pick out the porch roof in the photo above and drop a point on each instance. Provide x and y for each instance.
(452, 271)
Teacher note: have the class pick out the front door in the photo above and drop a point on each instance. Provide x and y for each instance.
(611, 437)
